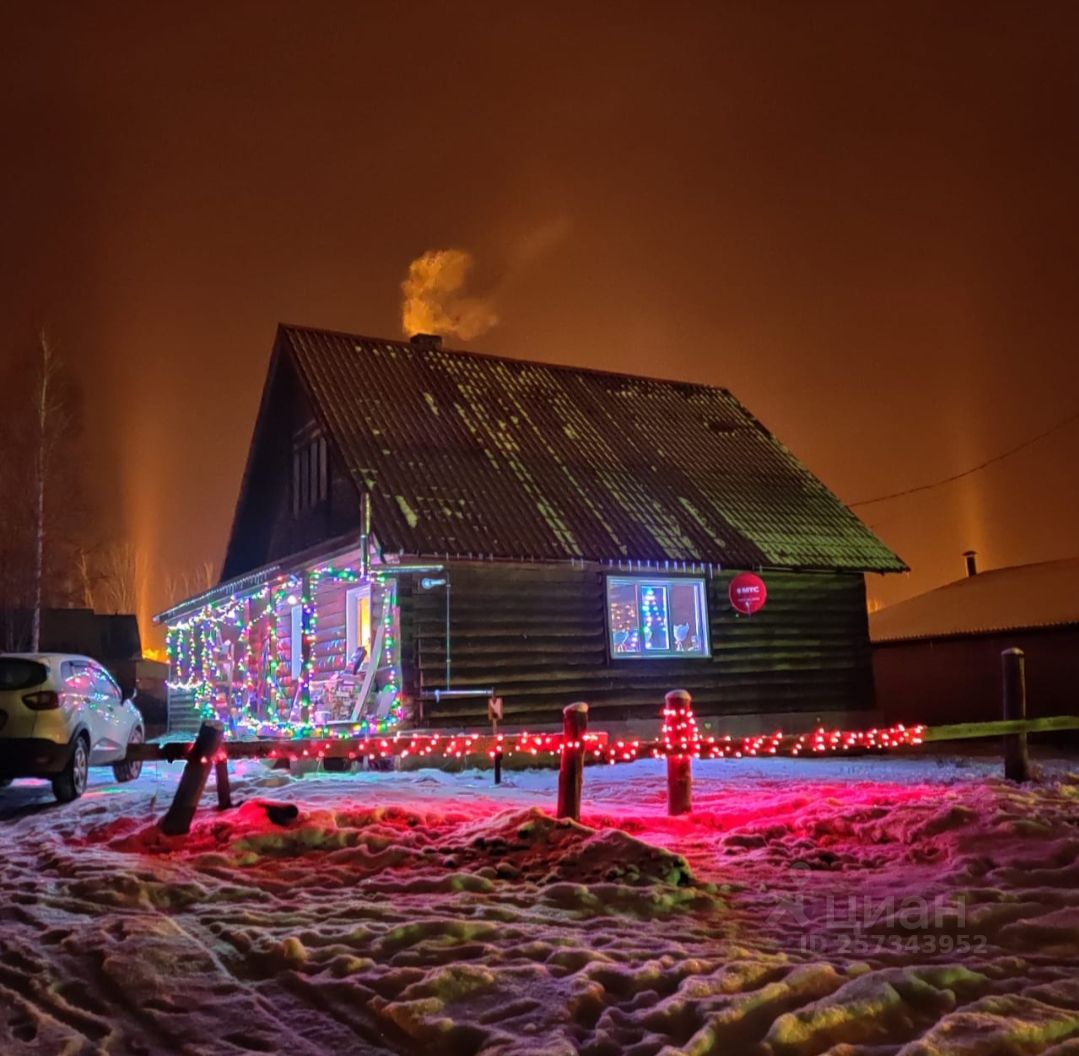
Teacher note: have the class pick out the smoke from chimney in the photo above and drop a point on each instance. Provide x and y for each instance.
(433, 299)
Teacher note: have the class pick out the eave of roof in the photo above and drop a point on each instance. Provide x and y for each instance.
(975, 632)
(250, 582)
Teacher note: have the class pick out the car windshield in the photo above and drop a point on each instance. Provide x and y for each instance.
(19, 673)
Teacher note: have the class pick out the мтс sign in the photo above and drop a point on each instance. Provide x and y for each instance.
(747, 593)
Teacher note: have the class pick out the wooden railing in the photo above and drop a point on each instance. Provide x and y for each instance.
(680, 744)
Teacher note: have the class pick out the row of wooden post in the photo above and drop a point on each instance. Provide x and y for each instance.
(571, 766)
(680, 767)
(206, 752)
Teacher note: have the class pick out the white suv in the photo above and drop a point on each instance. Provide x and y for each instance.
(60, 714)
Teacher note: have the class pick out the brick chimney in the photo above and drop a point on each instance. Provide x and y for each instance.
(971, 558)
(428, 342)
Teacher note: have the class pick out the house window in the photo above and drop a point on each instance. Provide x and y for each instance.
(310, 483)
(650, 617)
(296, 642)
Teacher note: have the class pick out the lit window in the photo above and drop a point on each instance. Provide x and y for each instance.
(357, 620)
(650, 617)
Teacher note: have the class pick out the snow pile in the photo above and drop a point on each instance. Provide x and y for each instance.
(800, 910)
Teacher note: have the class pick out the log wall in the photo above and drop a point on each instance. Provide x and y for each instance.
(538, 635)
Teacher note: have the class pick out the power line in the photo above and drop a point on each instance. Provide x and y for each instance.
(973, 469)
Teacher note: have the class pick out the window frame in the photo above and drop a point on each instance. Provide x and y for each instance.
(310, 473)
(38, 674)
(109, 684)
(323, 470)
(700, 585)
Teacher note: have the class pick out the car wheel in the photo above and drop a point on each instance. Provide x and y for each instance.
(70, 783)
(129, 769)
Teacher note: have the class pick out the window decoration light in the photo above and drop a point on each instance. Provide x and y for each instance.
(655, 617)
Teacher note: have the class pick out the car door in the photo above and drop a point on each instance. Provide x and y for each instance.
(80, 692)
(125, 713)
(109, 701)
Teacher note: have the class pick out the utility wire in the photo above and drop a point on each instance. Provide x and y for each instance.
(973, 469)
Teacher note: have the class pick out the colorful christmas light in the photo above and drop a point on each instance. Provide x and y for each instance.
(286, 707)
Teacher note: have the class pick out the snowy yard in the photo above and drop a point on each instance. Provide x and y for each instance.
(808, 906)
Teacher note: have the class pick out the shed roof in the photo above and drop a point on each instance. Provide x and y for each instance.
(469, 454)
(1021, 597)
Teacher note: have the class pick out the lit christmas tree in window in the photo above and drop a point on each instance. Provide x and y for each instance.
(654, 627)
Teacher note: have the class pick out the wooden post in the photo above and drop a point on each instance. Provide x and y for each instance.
(494, 713)
(678, 721)
(221, 779)
(1013, 669)
(177, 820)
(679, 784)
(571, 768)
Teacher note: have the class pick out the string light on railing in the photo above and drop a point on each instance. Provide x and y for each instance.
(597, 745)
(255, 702)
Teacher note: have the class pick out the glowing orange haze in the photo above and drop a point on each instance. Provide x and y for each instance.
(860, 218)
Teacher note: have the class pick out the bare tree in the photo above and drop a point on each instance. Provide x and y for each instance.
(190, 582)
(87, 574)
(52, 423)
(121, 570)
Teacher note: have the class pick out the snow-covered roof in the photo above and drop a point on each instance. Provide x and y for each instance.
(1004, 599)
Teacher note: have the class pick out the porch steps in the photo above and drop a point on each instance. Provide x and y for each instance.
(184, 714)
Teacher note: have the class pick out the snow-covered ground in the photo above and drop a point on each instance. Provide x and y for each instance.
(852, 907)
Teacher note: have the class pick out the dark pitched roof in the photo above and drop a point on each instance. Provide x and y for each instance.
(473, 454)
(1004, 599)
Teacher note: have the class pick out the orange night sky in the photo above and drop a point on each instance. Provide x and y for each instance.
(860, 217)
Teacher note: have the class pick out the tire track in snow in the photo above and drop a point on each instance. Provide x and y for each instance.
(363, 918)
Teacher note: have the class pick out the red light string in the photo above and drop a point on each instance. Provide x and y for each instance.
(680, 737)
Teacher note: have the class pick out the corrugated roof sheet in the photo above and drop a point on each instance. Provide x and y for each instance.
(1003, 599)
(473, 454)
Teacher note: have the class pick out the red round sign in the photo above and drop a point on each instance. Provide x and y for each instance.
(747, 593)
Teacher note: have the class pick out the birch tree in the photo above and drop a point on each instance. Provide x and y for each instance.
(42, 514)
(50, 424)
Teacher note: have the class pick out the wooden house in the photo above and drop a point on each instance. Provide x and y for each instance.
(419, 529)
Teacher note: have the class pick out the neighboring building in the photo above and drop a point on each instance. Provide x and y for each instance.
(114, 641)
(75, 630)
(936, 657)
(551, 534)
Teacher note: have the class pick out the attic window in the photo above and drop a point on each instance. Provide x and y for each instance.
(310, 484)
(650, 617)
